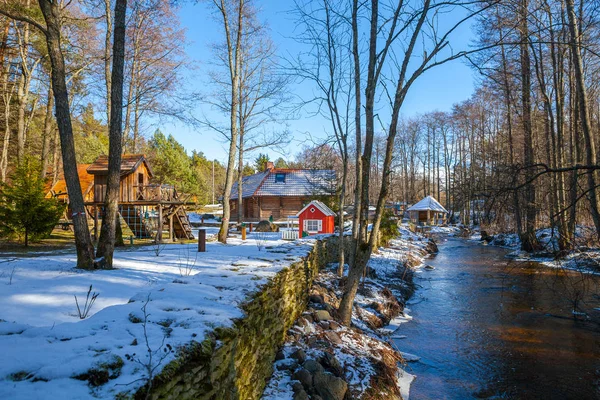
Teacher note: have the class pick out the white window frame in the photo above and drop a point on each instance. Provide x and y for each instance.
(308, 222)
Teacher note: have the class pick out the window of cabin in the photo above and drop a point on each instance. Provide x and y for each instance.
(279, 178)
(313, 225)
(140, 189)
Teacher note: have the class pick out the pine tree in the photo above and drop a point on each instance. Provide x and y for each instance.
(23, 209)
(261, 162)
(171, 164)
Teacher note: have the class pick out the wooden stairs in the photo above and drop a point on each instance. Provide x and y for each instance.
(181, 223)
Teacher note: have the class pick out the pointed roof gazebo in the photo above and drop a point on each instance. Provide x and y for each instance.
(427, 212)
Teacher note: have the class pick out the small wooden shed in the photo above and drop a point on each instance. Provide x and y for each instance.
(428, 212)
(316, 218)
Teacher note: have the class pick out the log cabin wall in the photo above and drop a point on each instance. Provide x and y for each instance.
(129, 187)
(99, 188)
(261, 208)
(280, 207)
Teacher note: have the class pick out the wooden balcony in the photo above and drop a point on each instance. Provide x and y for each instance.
(156, 193)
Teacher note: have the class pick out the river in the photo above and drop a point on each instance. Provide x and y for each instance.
(488, 327)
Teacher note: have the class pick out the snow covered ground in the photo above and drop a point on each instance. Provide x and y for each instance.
(185, 294)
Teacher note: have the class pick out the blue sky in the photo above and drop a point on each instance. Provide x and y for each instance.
(438, 89)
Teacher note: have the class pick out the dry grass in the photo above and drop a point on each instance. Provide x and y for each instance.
(58, 240)
(383, 382)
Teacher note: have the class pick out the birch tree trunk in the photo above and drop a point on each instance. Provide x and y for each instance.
(47, 134)
(233, 57)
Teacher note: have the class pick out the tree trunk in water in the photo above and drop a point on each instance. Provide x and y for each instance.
(528, 239)
(83, 241)
(584, 116)
(110, 219)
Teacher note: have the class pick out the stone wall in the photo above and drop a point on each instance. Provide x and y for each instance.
(236, 362)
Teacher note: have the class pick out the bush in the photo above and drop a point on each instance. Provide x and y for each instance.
(388, 228)
(24, 210)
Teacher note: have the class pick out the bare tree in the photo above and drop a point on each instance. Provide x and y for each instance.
(53, 14)
(106, 242)
(326, 64)
(413, 25)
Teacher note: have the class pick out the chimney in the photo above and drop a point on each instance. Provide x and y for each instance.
(270, 165)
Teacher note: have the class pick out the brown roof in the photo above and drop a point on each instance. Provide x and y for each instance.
(129, 163)
(85, 179)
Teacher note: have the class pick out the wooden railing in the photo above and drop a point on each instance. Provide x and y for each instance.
(156, 192)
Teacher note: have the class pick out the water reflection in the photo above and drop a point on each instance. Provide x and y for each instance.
(487, 327)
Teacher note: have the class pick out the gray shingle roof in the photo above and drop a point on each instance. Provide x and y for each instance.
(250, 185)
(428, 203)
(298, 182)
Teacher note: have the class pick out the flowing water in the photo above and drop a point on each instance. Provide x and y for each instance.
(488, 327)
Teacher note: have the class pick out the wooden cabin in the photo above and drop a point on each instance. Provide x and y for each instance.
(428, 212)
(280, 192)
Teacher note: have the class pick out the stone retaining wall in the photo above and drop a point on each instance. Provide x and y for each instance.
(235, 363)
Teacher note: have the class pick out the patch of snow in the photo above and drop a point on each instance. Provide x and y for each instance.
(404, 381)
(45, 344)
(409, 357)
(445, 229)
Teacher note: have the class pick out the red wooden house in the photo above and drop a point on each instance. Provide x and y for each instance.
(316, 218)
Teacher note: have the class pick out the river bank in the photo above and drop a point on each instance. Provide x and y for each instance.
(584, 257)
(323, 360)
(485, 326)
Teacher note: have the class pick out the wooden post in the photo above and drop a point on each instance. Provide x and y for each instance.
(95, 223)
(243, 233)
(250, 227)
(160, 224)
(201, 240)
(171, 232)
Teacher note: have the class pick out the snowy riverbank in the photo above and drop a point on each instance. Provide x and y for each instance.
(323, 358)
(583, 258)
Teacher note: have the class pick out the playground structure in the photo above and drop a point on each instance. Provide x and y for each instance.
(146, 209)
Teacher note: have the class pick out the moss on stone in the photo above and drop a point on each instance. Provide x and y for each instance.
(102, 372)
(234, 363)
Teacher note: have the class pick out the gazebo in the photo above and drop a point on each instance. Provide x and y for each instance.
(427, 212)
